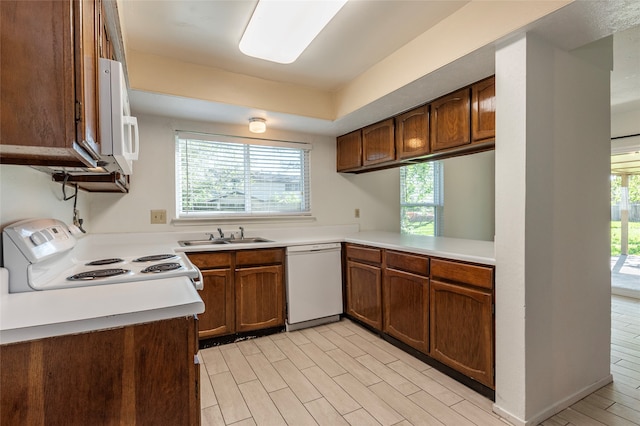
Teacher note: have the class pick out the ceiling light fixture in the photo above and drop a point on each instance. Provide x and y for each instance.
(279, 31)
(257, 125)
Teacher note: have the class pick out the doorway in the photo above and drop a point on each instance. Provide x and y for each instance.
(625, 225)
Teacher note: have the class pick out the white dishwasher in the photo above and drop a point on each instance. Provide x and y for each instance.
(314, 285)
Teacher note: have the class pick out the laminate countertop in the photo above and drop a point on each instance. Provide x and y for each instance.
(39, 314)
(450, 248)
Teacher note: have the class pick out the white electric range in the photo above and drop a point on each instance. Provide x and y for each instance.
(43, 254)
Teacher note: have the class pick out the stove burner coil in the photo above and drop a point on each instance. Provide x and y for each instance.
(97, 274)
(105, 261)
(162, 267)
(155, 258)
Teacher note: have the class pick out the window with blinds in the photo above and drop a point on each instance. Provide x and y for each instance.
(221, 175)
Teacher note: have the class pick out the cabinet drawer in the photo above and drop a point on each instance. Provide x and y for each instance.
(365, 254)
(408, 262)
(259, 257)
(479, 276)
(210, 260)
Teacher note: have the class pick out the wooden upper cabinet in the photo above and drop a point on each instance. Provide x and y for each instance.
(412, 133)
(378, 143)
(349, 151)
(483, 110)
(105, 42)
(49, 96)
(450, 121)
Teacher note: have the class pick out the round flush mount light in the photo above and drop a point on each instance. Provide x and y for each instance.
(257, 125)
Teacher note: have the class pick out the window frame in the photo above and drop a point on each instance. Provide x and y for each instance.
(229, 216)
(438, 198)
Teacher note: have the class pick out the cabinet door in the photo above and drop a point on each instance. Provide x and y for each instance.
(406, 308)
(217, 294)
(364, 293)
(412, 133)
(483, 110)
(462, 330)
(48, 98)
(450, 121)
(349, 151)
(142, 374)
(86, 57)
(378, 143)
(259, 297)
(166, 387)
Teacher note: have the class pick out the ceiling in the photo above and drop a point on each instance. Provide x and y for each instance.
(365, 32)
(208, 32)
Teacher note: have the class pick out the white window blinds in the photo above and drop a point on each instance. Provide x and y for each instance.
(221, 175)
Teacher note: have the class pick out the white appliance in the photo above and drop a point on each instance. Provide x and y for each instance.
(41, 254)
(314, 285)
(119, 137)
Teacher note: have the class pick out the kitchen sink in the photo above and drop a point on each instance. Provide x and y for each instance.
(208, 242)
(249, 240)
(188, 243)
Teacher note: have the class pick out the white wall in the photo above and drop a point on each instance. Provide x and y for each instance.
(27, 193)
(334, 196)
(625, 122)
(469, 197)
(552, 228)
(30, 193)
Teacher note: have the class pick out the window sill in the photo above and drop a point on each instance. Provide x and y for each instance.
(191, 221)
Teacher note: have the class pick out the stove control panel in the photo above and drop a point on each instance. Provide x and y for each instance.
(39, 239)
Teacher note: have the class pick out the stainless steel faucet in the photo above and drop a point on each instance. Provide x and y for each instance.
(241, 233)
(220, 232)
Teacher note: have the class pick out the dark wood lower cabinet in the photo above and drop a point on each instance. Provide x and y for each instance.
(219, 300)
(442, 308)
(406, 308)
(462, 330)
(242, 291)
(141, 374)
(364, 293)
(259, 297)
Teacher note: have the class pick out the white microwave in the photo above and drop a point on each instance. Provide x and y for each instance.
(118, 129)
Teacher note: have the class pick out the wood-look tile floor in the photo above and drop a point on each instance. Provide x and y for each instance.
(341, 374)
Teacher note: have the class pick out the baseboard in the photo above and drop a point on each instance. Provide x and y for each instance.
(626, 292)
(555, 408)
(312, 323)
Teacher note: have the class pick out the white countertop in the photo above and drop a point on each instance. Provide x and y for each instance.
(451, 248)
(38, 314)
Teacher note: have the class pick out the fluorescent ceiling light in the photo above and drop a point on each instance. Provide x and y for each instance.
(280, 30)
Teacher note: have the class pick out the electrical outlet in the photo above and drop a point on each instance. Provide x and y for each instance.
(357, 213)
(158, 216)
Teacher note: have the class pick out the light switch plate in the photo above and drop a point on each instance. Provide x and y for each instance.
(158, 216)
